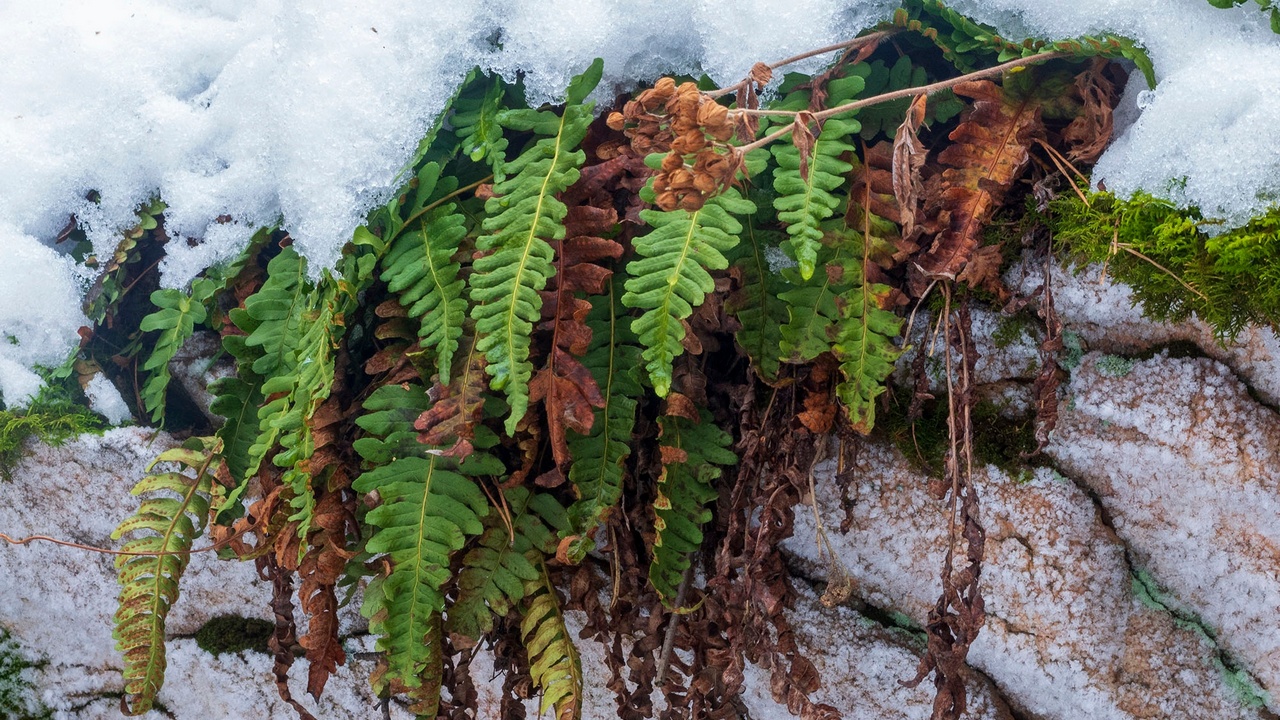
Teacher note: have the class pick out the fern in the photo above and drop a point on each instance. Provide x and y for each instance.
(867, 355)
(149, 583)
(495, 571)
(670, 278)
(757, 303)
(812, 310)
(236, 400)
(176, 318)
(598, 457)
(690, 453)
(475, 122)
(805, 199)
(420, 267)
(522, 217)
(428, 508)
(553, 660)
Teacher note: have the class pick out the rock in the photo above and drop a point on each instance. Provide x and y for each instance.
(1187, 465)
(861, 673)
(58, 602)
(1103, 314)
(1066, 636)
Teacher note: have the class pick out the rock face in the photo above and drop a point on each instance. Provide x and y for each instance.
(58, 602)
(1187, 465)
(1136, 576)
(1066, 635)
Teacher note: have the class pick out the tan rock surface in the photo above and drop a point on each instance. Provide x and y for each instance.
(1187, 465)
(1066, 637)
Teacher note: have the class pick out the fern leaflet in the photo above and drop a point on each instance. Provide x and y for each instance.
(807, 198)
(523, 215)
(812, 310)
(690, 453)
(670, 278)
(149, 583)
(757, 303)
(495, 571)
(428, 508)
(553, 660)
(596, 473)
(176, 318)
(420, 267)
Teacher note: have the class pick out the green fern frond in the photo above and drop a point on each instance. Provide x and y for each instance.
(757, 304)
(691, 451)
(597, 470)
(277, 309)
(554, 664)
(168, 521)
(420, 267)
(176, 318)
(495, 572)
(670, 277)
(812, 309)
(428, 509)
(804, 200)
(866, 352)
(523, 216)
(237, 401)
(475, 122)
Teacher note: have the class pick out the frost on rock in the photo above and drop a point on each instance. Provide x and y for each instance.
(1104, 314)
(862, 671)
(1065, 635)
(1188, 467)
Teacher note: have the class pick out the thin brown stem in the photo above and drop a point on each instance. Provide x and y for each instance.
(846, 46)
(92, 548)
(904, 93)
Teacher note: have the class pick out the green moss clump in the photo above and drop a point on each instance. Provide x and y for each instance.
(1114, 366)
(52, 418)
(1173, 265)
(18, 700)
(232, 634)
(997, 440)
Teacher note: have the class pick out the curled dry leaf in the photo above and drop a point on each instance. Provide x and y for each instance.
(908, 158)
(802, 137)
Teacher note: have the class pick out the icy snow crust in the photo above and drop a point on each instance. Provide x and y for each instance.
(266, 111)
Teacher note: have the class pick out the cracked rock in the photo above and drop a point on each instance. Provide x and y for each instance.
(1187, 465)
(1066, 636)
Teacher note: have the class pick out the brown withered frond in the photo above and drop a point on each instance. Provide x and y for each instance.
(989, 150)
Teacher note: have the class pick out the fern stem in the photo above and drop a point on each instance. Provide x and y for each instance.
(846, 45)
(432, 206)
(899, 94)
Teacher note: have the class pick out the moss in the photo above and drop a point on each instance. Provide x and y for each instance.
(1241, 683)
(1114, 366)
(52, 418)
(18, 699)
(232, 634)
(997, 440)
(1010, 330)
(1166, 254)
(1072, 351)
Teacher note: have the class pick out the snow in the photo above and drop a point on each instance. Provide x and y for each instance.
(105, 400)
(247, 113)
